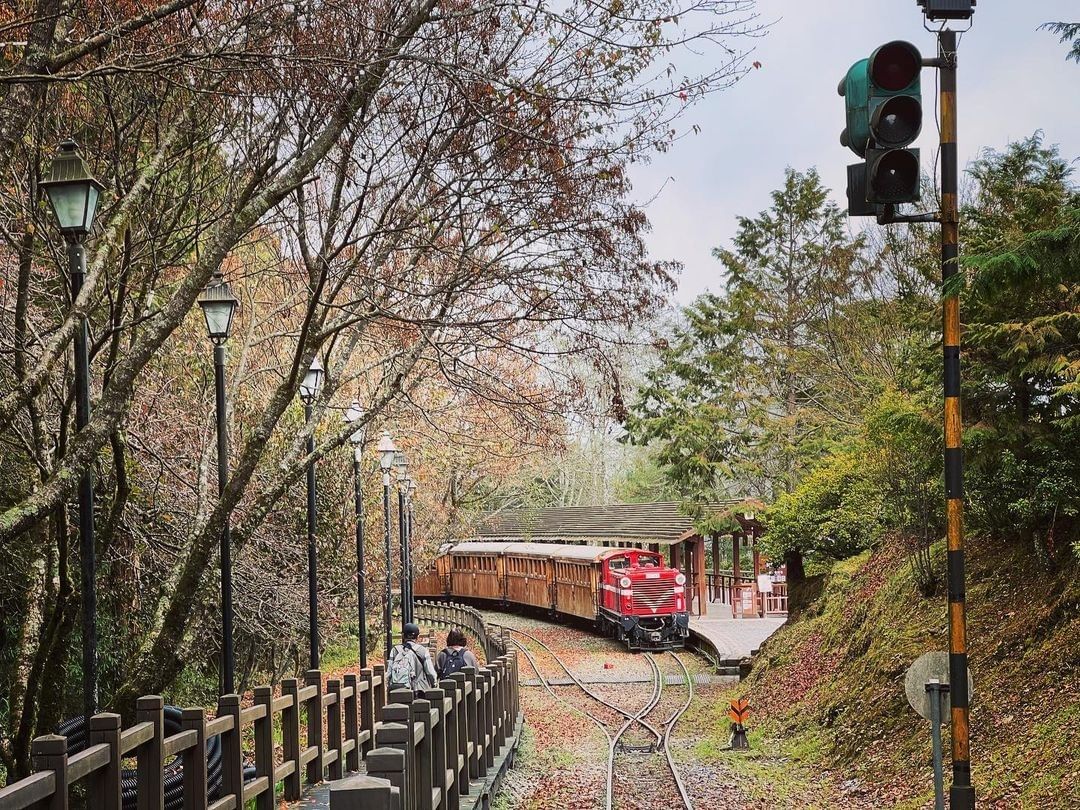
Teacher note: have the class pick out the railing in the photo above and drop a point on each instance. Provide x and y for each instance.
(451, 614)
(428, 750)
(348, 707)
(723, 584)
(430, 747)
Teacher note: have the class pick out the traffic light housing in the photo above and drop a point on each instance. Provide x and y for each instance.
(948, 9)
(883, 103)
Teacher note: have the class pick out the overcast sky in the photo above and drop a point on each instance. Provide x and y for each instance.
(1013, 79)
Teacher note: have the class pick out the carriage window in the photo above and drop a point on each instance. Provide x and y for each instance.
(619, 564)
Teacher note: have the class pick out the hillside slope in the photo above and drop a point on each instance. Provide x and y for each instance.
(828, 687)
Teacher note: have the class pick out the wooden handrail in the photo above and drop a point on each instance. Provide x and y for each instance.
(444, 737)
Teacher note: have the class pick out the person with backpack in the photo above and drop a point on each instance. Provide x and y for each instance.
(455, 656)
(410, 665)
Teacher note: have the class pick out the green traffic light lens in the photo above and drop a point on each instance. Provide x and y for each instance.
(895, 66)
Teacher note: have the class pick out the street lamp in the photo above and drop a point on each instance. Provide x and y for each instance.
(352, 416)
(410, 494)
(309, 391)
(218, 306)
(401, 464)
(387, 451)
(73, 194)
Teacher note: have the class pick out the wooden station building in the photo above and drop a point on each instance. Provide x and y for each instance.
(654, 526)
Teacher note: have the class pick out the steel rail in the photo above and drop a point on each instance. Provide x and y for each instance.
(670, 726)
(654, 700)
(628, 715)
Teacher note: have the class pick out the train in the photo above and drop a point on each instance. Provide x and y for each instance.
(629, 593)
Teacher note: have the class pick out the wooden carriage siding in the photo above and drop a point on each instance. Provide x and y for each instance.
(445, 750)
(621, 525)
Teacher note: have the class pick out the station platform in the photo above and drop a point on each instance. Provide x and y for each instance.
(734, 639)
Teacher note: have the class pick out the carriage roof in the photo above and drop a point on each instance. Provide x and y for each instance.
(561, 551)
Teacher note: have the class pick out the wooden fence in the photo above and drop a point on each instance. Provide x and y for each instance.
(450, 614)
(427, 750)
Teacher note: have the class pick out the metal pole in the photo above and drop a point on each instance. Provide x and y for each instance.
(961, 795)
(77, 271)
(361, 599)
(313, 562)
(227, 659)
(402, 539)
(387, 615)
(935, 689)
(408, 556)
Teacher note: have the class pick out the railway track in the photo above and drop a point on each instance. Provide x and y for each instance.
(640, 757)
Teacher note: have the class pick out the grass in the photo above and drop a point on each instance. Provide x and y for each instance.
(829, 685)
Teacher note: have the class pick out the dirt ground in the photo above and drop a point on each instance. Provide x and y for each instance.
(562, 762)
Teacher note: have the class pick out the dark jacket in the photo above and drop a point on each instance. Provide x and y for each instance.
(470, 659)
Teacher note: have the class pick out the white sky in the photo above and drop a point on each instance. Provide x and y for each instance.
(1013, 79)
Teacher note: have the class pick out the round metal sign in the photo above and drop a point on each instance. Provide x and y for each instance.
(927, 667)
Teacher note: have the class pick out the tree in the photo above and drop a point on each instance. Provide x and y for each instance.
(1067, 33)
(424, 197)
(1022, 361)
(739, 402)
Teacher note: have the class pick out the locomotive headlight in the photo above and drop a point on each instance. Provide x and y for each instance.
(624, 582)
(680, 579)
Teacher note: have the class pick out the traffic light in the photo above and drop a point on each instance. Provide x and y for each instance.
(948, 9)
(883, 101)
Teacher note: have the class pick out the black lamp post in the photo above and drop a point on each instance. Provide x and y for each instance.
(410, 494)
(387, 451)
(218, 306)
(73, 194)
(353, 415)
(309, 391)
(401, 464)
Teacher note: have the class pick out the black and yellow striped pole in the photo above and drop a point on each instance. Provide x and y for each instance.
(961, 795)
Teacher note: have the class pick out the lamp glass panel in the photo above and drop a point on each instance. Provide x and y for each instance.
(91, 206)
(309, 388)
(69, 204)
(219, 315)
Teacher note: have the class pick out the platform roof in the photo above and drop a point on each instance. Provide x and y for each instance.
(663, 523)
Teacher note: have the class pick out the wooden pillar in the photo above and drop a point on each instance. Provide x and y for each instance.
(715, 566)
(735, 571)
(758, 600)
(697, 547)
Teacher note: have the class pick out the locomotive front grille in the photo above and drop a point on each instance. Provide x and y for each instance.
(654, 596)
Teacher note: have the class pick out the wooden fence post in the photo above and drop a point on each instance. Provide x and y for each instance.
(264, 747)
(313, 677)
(462, 711)
(396, 732)
(49, 753)
(194, 759)
(439, 745)
(232, 754)
(472, 713)
(352, 716)
(151, 779)
(105, 790)
(364, 793)
(421, 714)
(367, 709)
(378, 694)
(450, 720)
(290, 737)
(498, 729)
(389, 764)
(333, 726)
(489, 717)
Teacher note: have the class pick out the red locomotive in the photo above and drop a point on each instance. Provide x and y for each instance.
(628, 592)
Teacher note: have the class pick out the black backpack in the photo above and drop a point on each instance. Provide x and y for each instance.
(452, 661)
